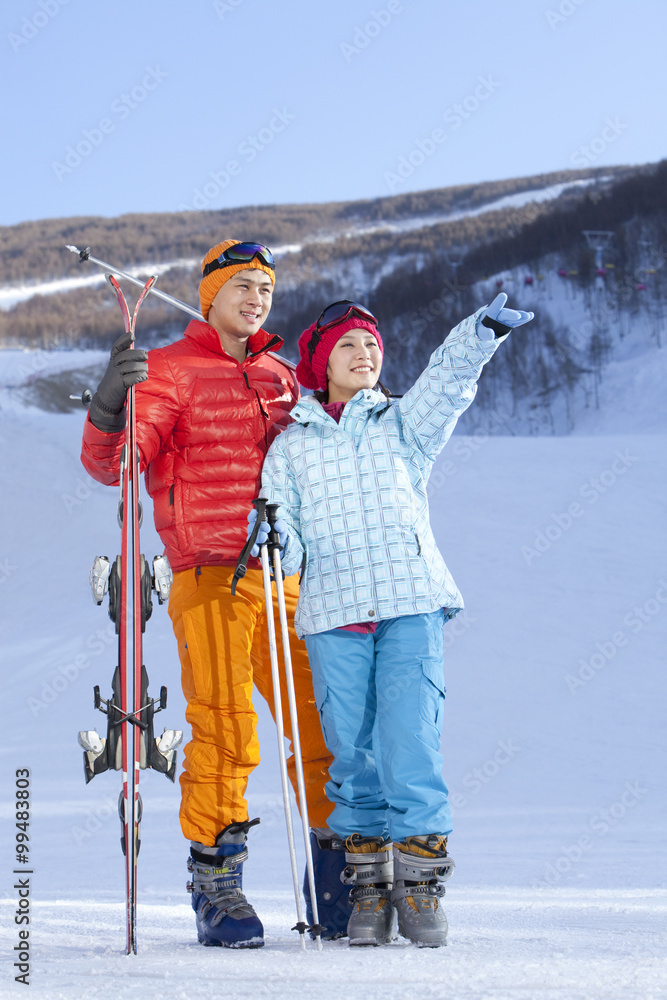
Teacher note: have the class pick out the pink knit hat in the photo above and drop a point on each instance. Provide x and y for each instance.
(312, 373)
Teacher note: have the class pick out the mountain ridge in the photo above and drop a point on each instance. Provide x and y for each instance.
(421, 273)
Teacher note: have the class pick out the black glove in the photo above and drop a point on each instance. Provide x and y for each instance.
(126, 367)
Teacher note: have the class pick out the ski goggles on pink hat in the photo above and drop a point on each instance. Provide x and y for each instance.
(334, 314)
(241, 253)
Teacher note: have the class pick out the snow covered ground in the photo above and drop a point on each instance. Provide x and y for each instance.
(554, 746)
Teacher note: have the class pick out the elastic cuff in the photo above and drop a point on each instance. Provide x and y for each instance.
(499, 329)
(106, 421)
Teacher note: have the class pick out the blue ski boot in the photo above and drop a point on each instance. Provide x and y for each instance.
(224, 916)
(332, 896)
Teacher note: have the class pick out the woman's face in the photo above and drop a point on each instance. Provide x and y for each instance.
(354, 363)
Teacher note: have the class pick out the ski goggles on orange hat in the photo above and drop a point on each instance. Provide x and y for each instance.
(337, 313)
(240, 253)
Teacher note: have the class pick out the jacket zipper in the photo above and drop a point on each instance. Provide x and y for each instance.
(259, 401)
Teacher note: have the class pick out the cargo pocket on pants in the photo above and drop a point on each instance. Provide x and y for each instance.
(323, 705)
(432, 693)
(201, 673)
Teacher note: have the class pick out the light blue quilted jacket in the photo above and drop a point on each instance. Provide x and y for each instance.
(354, 493)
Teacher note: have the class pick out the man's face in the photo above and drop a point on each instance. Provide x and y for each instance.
(242, 304)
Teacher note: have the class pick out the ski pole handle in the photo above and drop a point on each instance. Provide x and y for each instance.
(260, 505)
(86, 397)
(273, 541)
(242, 565)
(272, 516)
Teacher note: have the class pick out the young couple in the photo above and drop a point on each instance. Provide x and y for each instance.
(349, 471)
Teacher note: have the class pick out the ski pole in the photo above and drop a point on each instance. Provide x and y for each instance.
(85, 254)
(301, 925)
(274, 545)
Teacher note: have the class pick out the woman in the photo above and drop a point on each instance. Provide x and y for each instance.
(350, 475)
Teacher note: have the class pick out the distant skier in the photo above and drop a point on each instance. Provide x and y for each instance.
(350, 476)
(208, 407)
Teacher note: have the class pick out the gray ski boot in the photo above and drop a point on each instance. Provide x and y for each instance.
(369, 872)
(421, 864)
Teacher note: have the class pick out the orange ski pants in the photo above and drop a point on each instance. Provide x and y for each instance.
(224, 648)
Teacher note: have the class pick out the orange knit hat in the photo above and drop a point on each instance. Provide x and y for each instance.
(213, 282)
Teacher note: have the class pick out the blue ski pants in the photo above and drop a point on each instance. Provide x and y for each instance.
(380, 697)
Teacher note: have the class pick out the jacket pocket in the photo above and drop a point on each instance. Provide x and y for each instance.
(432, 693)
(177, 501)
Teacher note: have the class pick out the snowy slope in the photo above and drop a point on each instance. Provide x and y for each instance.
(11, 295)
(553, 743)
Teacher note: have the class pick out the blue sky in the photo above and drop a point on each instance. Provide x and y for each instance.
(165, 105)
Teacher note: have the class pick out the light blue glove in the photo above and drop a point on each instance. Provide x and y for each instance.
(264, 529)
(501, 320)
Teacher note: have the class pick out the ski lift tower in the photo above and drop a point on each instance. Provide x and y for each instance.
(647, 251)
(648, 254)
(599, 240)
(454, 257)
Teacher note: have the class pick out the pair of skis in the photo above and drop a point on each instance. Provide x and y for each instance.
(130, 744)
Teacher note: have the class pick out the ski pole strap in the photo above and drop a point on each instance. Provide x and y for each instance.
(242, 564)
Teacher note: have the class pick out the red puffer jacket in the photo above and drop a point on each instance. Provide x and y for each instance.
(204, 424)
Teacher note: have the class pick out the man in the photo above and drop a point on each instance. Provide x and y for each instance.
(208, 407)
